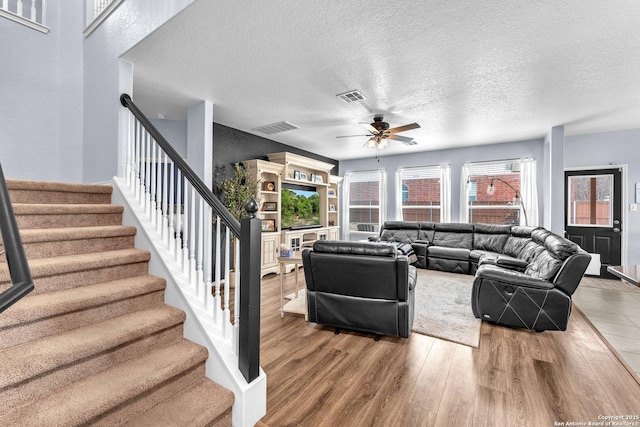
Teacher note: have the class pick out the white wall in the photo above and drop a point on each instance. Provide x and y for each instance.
(102, 50)
(41, 102)
(589, 150)
(455, 158)
(612, 148)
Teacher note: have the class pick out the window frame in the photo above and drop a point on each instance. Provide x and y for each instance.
(430, 172)
(495, 168)
(381, 206)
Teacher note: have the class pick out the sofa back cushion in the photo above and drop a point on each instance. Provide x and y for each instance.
(355, 248)
(556, 250)
(356, 269)
(406, 231)
(454, 235)
(490, 237)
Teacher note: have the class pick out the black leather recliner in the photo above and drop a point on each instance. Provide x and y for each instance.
(538, 298)
(360, 286)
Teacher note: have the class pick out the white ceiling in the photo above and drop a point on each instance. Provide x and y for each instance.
(467, 72)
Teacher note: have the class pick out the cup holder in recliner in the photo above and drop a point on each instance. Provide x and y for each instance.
(509, 290)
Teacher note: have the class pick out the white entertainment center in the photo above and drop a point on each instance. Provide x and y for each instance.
(293, 171)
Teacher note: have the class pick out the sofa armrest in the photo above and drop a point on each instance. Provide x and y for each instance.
(516, 278)
(374, 238)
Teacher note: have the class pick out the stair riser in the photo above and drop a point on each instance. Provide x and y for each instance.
(43, 384)
(37, 250)
(20, 334)
(143, 402)
(71, 220)
(58, 197)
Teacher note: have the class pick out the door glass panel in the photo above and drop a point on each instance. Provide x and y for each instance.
(590, 201)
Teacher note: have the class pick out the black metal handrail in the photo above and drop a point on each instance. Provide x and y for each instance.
(218, 208)
(21, 280)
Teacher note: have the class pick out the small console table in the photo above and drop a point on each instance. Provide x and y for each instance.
(298, 300)
(628, 273)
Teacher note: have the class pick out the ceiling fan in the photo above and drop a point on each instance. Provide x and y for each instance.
(379, 133)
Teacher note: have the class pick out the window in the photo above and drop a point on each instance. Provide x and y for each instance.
(365, 200)
(590, 200)
(493, 192)
(421, 193)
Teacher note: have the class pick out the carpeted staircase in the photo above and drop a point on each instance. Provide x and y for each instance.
(94, 343)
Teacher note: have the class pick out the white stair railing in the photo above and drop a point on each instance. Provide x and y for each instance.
(195, 238)
(31, 13)
(185, 223)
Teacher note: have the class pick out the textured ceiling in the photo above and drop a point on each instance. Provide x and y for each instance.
(467, 72)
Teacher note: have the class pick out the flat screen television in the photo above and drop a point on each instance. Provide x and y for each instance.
(299, 206)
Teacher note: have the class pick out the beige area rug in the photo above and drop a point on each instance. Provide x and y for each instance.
(443, 307)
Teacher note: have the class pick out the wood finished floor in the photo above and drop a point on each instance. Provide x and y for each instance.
(515, 377)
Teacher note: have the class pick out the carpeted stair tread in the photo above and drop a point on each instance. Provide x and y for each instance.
(64, 209)
(52, 352)
(33, 235)
(22, 191)
(43, 267)
(19, 184)
(43, 306)
(51, 242)
(197, 406)
(86, 400)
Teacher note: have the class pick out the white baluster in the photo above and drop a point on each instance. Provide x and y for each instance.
(19, 8)
(208, 245)
(200, 252)
(5, 5)
(192, 242)
(147, 174)
(43, 13)
(129, 151)
(165, 202)
(172, 188)
(152, 188)
(185, 230)
(138, 164)
(183, 196)
(179, 243)
(217, 268)
(143, 168)
(33, 10)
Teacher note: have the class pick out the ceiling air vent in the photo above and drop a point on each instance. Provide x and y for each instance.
(351, 96)
(276, 128)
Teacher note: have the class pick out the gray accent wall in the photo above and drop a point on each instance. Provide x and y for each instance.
(232, 145)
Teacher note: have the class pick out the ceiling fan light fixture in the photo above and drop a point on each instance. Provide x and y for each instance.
(371, 143)
(382, 143)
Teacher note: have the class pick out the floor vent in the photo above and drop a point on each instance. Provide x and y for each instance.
(351, 96)
(276, 128)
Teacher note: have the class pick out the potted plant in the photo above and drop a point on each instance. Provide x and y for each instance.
(234, 194)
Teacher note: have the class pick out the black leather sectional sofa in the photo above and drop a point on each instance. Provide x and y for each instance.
(524, 276)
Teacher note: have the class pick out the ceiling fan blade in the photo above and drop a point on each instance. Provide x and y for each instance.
(351, 136)
(400, 138)
(403, 128)
(370, 128)
(412, 142)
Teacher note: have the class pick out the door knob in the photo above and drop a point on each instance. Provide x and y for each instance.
(616, 230)
(616, 221)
